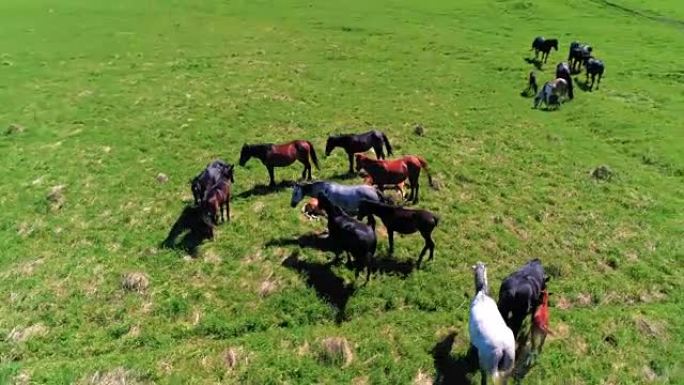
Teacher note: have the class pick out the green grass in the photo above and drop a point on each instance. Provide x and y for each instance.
(112, 93)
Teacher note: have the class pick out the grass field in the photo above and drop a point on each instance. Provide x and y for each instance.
(100, 97)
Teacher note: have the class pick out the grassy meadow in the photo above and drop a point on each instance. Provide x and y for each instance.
(99, 97)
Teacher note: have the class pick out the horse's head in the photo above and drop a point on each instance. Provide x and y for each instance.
(228, 173)
(297, 194)
(245, 154)
(480, 272)
(330, 144)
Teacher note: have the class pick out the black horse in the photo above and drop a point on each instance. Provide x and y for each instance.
(563, 72)
(403, 221)
(355, 143)
(347, 234)
(578, 54)
(544, 46)
(594, 67)
(214, 173)
(520, 294)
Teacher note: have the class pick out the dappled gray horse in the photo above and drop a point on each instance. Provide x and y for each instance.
(346, 197)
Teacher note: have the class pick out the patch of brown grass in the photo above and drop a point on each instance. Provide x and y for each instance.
(422, 378)
(117, 376)
(336, 351)
(19, 334)
(651, 328)
(135, 281)
(56, 198)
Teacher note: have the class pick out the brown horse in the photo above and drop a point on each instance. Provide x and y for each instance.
(215, 200)
(395, 172)
(281, 155)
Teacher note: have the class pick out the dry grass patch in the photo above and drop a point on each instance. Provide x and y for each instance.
(56, 198)
(14, 128)
(422, 378)
(19, 334)
(135, 281)
(267, 287)
(651, 328)
(117, 376)
(336, 351)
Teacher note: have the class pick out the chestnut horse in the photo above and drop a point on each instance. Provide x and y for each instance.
(281, 155)
(395, 172)
(215, 200)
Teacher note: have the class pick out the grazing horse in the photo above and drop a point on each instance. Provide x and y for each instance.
(489, 335)
(520, 293)
(345, 197)
(551, 93)
(281, 155)
(212, 174)
(353, 144)
(346, 234)
(394, 172)
(539, 44)
(403, 221)
(563, 72)
(215, 200)
(594, 67)
(578, 54)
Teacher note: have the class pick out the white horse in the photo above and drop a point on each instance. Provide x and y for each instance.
(551, 93)
(489, 334)
(343, 196)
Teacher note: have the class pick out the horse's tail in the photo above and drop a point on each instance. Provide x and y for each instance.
(387, 143)
(424, 166)
(313, 154)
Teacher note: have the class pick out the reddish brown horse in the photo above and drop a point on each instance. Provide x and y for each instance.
(215, 200)
(281, 155)
(395, 172)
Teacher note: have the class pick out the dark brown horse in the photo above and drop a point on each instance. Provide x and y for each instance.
(215, 201)
(356, 143)
(403, 221)
(394, 172)
(281, 155)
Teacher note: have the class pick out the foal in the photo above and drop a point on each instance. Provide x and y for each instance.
(403, 221)
(539, 44)
(281, 155)
(355, 143)
(563, 72)
(394, 172)
(214, 202)
(346, 234)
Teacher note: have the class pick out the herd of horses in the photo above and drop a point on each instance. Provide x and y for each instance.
(496, 328)
(579, 55)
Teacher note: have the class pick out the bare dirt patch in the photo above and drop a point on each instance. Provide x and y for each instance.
(135, 281)
(19, 334)
(336, 351)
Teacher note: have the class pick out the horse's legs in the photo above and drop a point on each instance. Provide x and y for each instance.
(483, 376)
(228, 210)
(599, 81)
(221, 206)
(378, 151)
(390, 237)
(351, 162)
(593, 78)
(429, 243)
(271, 176)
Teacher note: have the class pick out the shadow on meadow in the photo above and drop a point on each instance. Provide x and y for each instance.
(449, 369)
(262, 189)
(536, 62)
(344, 176)
(328, 286)
(193, 230)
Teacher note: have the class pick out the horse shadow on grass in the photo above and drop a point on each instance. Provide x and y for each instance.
(583, 84)
(450, 369)
(536, 62)
(191, 227)
(391, 266)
